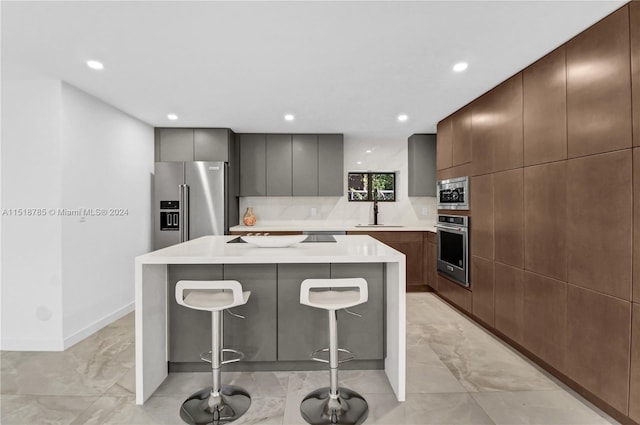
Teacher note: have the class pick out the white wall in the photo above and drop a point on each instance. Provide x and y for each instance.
(63, 278)
(384, 156)
(107, 159)
(31, 245)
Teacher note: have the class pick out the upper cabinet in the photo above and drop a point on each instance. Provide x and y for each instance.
(189, 144)
(422, 165)
(461, 136)
(545, 109)
(599, 87)
(445, 146)
(634, 11)
(291, 165)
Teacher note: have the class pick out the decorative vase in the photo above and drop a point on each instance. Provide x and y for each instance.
(249, 218)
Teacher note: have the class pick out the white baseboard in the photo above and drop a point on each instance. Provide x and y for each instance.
(32, 345)
(97, 325)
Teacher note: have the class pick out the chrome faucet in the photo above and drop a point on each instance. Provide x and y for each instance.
(375, 207)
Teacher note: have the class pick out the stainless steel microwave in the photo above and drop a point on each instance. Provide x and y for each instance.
(453, 194)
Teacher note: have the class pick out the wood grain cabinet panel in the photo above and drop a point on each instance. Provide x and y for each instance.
(634, 18)
(508, 212)
(455, 293)
(545, 318)
(461, 136)
(508, 145)
(482, 289)
(599, 206)
(636, 228)
(509, 301)
(634, 390)
(545, 219)
(545, 109)
(444, 146)
(431, 265)
(411, 245)
(482, 239)
(482, 124)
(598, 344)
(599, 87)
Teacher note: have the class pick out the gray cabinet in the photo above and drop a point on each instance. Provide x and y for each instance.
(291, 165)
(422, 165)
(303, 329)
(279, 164)
(256, 334)
(305, 165)
(212, 144)
(189, 329)
(330, 165)
(188, 144)
(175, 144)
(253, 165)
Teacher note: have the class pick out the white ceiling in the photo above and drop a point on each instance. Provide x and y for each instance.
(348, 67)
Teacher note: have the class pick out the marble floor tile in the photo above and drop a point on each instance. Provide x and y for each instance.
(45, 410)
(264, 411)
(108, 410)
(537, 407)
(451, 408)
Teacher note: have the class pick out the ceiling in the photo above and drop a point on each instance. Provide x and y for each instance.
(348, 67)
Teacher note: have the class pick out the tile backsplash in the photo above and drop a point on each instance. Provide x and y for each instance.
(359, 155)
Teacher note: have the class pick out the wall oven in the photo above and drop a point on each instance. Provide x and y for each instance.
(453, 194)
(453, 247)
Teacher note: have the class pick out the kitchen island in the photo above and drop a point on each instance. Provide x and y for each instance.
(154, 273)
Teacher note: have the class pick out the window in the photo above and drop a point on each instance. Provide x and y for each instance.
(364, 186)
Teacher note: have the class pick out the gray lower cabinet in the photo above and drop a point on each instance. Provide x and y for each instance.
(278, 168)
(174, 144)
(303, 329)
(189, 329)
(422, 165)
(305, 165)
(255, 335)
(253, 165)
(330, 165)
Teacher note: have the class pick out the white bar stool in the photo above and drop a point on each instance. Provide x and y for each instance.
(219, 403)
(333, 405)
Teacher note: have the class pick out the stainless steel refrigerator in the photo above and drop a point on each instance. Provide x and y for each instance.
(192, 199)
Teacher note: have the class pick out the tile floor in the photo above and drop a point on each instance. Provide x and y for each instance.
(457, 374)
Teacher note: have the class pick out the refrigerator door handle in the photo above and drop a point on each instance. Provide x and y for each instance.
(184, 213)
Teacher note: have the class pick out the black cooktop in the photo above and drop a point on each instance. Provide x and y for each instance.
(310, 238)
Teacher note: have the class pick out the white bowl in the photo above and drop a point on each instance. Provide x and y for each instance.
(274, 241)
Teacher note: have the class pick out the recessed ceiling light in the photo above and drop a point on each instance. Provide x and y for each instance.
(359, 162)
(289, 117)
(368, 151)
(95, 64)
(460, 66)
(402, 117)
(172, 117)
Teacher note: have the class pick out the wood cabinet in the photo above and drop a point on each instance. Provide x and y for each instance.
(411, 245)
(422, 165)
(430, 261)
(444, 158)
(291, 165)
(461, 136)
(634, 12)
(599, 101)
(194, 144)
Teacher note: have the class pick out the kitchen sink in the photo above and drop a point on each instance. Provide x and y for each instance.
(379, 225)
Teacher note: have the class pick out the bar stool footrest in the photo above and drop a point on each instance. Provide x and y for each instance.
(326, 350)
(206, 357)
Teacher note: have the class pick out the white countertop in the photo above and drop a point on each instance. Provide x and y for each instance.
(309, 227)
(216, 250)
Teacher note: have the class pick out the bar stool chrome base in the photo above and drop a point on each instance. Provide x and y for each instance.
(350, 408)
(203, 408)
